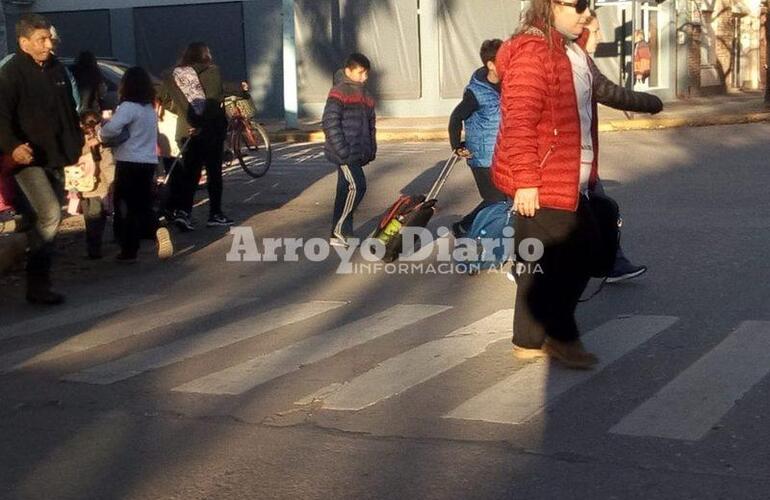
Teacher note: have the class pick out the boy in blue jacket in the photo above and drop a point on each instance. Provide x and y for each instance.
(479, 111)
(351, 142)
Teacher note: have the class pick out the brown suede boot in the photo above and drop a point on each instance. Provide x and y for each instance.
(526, 353)
(571, 354)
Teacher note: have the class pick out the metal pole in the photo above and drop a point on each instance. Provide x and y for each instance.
(622, 51)
(290, 94)
(734, 79)
(738, 50)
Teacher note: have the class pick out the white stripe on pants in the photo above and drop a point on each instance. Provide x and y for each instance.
(349, 201)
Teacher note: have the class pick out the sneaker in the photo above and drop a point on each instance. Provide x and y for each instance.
(219, 220)
(182, 220)
(165, 246)
(8, 226)
(625, 270)
(338, 241)
(570, 354)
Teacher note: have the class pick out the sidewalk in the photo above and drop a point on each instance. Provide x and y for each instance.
(733, 108)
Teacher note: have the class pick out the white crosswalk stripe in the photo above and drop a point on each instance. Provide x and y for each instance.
(684, 409)
(72, 315)
(105, 334)
(246, 376)
(696, 400)
(417, 365)
(528, 391)
(195, 345)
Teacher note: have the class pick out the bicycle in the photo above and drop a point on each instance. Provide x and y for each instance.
(246, 140)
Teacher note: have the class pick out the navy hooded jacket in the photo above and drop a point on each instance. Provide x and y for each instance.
(349, 123)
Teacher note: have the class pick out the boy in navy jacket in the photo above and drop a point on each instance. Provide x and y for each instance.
(351, 142)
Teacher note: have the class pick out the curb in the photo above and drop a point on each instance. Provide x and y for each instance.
(431, 135)
(663, 123)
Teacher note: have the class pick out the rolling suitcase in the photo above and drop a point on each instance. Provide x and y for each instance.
(410, 211)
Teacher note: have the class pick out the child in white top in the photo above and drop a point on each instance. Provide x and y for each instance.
(133, 133)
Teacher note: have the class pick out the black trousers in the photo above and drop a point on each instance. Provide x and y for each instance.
(549, 289)
(205, 149)
(133, 203)
(351, 187)
(487, 190)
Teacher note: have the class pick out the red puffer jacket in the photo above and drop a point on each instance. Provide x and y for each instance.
(539, 140)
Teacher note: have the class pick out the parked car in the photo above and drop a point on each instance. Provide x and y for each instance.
(112, 71)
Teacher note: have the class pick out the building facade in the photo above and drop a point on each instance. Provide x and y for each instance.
(423, 51)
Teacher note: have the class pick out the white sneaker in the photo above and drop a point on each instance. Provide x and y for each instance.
(165, 245)
(336, 241)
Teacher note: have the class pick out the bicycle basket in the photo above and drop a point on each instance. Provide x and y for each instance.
(243, 105)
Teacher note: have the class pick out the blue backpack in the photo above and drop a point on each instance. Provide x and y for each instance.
(489, 227)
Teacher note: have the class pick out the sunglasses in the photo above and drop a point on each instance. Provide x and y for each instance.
(580, 6)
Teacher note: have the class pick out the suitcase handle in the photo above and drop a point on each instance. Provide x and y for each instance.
(442, 178)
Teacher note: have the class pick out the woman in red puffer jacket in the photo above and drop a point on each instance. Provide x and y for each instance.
(545, 159)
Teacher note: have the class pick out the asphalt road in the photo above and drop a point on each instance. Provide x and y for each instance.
(204, 378)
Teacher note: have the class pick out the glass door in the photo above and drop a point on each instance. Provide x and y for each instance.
(650, 45)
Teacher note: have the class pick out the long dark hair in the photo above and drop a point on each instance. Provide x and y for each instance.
(136, 86)
(196, 53)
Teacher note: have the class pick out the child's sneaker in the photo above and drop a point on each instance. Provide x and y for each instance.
(219, 220)
(338, 241)
(165, 246)
(182, 220)
(8, 226)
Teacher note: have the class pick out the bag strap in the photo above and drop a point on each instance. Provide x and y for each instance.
(393, 211)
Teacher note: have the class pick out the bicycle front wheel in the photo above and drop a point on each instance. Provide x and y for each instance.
(253, 150)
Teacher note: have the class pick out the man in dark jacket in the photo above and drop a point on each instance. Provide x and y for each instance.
(39, 128)
(351, 142)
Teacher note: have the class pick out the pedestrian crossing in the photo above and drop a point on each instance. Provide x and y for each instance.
(416, 366)
(241, 378)
(112, 332)
(684, 409)
(699, 397)
(528, 391)
(72, 315)
(202, 343)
